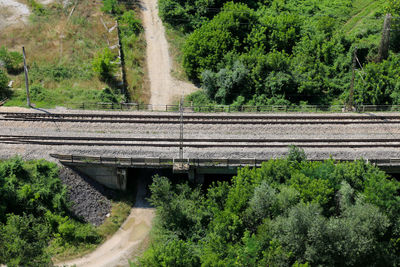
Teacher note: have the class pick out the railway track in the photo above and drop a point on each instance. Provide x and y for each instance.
(199, 118)
(198, 143)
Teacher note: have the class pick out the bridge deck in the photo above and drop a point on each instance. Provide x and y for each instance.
(206, 136)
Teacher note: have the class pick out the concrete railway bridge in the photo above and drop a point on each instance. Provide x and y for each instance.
(112, 172)
(107, 145)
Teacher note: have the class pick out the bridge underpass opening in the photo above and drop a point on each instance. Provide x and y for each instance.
(146, 175)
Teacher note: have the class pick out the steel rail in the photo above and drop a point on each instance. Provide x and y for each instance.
(219, 140)
(200, 143)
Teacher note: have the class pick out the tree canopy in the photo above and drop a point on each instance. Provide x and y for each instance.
(34, 211)
(291, 52)
(289, 212)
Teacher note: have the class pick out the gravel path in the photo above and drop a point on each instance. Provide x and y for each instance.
(117, 250)
(164, 88)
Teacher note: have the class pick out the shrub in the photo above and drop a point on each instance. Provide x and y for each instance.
(12, 61)
(111, 7)
(38, 8)
(108, 96)
(3, 83)
(37, 92)
(129, 24)
(103, 64)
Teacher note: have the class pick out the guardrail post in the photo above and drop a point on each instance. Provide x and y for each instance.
(72, 158)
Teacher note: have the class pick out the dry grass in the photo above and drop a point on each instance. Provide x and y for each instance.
(136, 70)
(53, 40)
(6, 12)
(176, 40)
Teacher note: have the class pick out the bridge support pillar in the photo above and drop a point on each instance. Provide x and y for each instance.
(200, 178)
(121, 179)
(195, 177)
(192, 175)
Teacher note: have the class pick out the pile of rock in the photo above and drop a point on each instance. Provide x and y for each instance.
(91, 200)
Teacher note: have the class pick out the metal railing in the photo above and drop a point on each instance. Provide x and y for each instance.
(230, 108)
(169, 162)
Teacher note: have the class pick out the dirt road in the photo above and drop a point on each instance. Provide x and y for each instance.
(117, 250)
(12, 12)
(164, 88)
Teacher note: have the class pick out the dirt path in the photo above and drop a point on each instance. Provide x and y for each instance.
(164, 88)
(12, 12)
(15, 13)
(117, 250)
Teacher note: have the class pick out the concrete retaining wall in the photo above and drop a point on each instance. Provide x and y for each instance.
(110, 176)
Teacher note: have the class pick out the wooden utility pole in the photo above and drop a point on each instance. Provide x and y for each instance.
(384, 47)
(351, 94)
(181, 132)
(28, 100)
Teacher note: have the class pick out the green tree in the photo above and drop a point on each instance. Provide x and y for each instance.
(23, 240)
(288, 212)
(3, 84)
(206, 47)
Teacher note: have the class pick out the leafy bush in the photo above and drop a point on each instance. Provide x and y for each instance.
(103, 64)
(107, 96)
(38, 8)
(111, 7)
(129, 24)
(289, 212)
(34, 211)
(12, 60)
(3, 83)
(24, 239)
(37, 92)
(380, 84)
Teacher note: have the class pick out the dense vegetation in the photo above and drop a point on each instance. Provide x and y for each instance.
(289, 212)
(34, 213)
(286, 52)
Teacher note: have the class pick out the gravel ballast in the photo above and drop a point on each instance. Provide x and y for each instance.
(159, 130)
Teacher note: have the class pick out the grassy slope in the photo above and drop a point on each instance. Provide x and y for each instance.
(52, 41)
(120, 210)
(60, 52)
(176, 40)
(362, 10)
